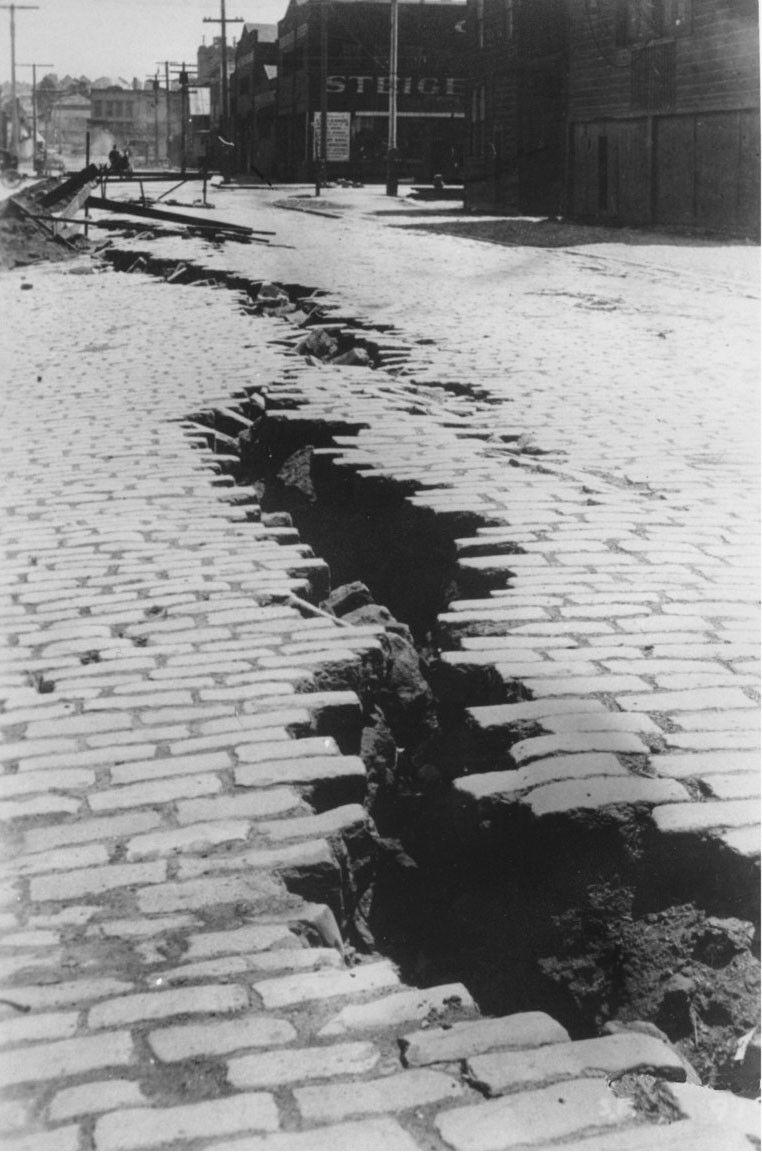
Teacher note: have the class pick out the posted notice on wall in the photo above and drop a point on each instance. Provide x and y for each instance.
(337, 136)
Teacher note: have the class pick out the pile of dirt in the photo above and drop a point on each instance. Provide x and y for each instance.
(24, 242)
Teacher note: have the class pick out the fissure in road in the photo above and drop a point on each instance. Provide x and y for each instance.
(589, 915)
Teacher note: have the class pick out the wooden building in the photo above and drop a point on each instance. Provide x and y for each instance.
(516, 105)
(640, 112)
(664, 112)
(430, 87)
(252, 97)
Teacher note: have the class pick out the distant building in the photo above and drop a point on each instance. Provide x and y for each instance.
(664, 112)
(134, 119)
(430, 87)
(67, 125)
(252, 97)
(209, 73)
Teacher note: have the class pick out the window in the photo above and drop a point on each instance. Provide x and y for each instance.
(636, 21)
(480, 23)
(641, 20)
(678, 17)
(745, 10)
(652, 76)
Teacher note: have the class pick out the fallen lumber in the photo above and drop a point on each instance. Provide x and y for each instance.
(127, 209)
(68, 188)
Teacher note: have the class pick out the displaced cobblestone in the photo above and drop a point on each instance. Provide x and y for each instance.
(159, 787)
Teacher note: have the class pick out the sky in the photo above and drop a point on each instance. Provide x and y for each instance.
(119, 37)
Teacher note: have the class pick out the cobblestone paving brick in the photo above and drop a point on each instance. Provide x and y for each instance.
(165, 709)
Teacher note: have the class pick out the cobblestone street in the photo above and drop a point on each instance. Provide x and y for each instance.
(182, 791)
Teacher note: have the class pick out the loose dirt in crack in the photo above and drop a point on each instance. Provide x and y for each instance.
(574, 918)
(590, 920)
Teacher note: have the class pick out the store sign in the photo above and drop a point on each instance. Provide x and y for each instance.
(406, 85)
(337, 137)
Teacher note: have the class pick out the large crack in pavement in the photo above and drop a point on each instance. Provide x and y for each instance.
(348, 729)
(585, 909)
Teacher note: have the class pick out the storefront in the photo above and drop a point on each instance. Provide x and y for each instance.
(430, 88)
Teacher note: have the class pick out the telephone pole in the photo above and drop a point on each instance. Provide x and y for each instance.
(223, 21)
(167, 64)
(391, 161)
(184, 79)
(156, 88)
(322, 165)
(13, 8)
(34, 68)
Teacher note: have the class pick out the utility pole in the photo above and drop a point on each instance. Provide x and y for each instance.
(183, 118)
(391, 158)
(167, 64)
(13, 8)
(223, 21)
(184, 81)
(156, 119)
(322, 170)
(34, 68)
(156, 88)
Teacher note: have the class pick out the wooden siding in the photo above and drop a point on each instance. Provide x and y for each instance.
(516, 159)
(716, 61)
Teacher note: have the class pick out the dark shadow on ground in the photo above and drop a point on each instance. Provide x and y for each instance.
(511, 232)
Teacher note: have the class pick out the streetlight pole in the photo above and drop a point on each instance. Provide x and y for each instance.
(34, 68)
(13, 8)
(391, 158)
(322, 171)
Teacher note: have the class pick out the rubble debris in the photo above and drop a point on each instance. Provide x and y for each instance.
(318, 343)
(354, 358)
(744, 1070)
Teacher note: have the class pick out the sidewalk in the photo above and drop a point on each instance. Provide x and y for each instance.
(172, 731)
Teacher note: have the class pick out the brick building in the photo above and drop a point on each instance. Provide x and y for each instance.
(664, 112)
(619, 111)
(430, 86)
